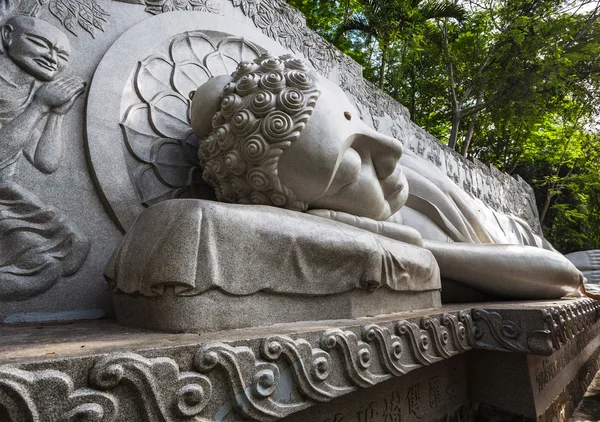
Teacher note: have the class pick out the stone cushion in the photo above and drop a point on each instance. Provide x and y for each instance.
(191, 246)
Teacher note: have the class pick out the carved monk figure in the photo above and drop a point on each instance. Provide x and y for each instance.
(276, 133)
(37, 244)
(35, 53)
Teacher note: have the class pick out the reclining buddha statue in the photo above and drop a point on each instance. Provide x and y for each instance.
(277, 134)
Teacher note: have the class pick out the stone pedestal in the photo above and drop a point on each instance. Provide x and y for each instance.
(425, 365)
(537, 386)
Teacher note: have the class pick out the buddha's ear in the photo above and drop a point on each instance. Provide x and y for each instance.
(206, 101)
(6, 31)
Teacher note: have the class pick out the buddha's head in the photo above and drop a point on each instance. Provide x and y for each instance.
(37, 47)
(276, 133)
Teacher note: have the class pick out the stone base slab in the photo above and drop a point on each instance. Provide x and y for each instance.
(104, 371)
(214, 310)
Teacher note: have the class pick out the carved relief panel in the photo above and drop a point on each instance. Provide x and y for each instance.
(38, 244)
(55, 235)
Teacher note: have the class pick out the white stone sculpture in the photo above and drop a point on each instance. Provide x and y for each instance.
(362, 223)
(284, 136)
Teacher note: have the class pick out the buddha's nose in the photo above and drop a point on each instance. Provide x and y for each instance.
(385, 152)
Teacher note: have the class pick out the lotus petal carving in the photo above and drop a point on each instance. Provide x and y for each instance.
(187, 77)
(169, 163)
(153, 76)
(156, 122)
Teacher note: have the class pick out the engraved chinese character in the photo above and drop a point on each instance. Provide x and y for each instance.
(338, 417)
(453, 383)
(414, 401)
(393, 409)
(368, 415)
(435, 392)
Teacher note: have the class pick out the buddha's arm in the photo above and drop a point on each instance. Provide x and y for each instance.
(515, 271)
(441, 200)
(392, 230)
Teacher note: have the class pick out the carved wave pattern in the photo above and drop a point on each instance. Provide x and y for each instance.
(336, 362)
(560, 324)
(156, 120)
(373, 355)
(49, 395)
(270, 378)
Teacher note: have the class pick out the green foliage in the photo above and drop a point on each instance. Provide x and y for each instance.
(512, 83)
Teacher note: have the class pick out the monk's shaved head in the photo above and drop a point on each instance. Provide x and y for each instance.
(37, 47)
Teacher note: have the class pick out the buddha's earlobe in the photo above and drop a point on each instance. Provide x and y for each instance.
(206, 101)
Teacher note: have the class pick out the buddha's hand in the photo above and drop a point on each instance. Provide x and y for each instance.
(384, 228)
(59, 95)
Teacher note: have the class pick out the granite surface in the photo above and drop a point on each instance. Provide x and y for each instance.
(112, 372)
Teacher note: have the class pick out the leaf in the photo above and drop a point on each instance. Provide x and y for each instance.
(99, 12)
(59, 9)
(70, 24)
(85, 13)
(98, 23)
(249, 7)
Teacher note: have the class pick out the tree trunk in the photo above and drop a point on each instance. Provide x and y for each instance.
(514, 164)
(546, 207)
(469, 135)
(456, 112)
(382, 66)
(371, 43)
(347, 11)
(413, 99)
(471, 129)
(456, 118)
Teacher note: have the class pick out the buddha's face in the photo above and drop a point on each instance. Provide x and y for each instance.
(37, 47)
(340, 163)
